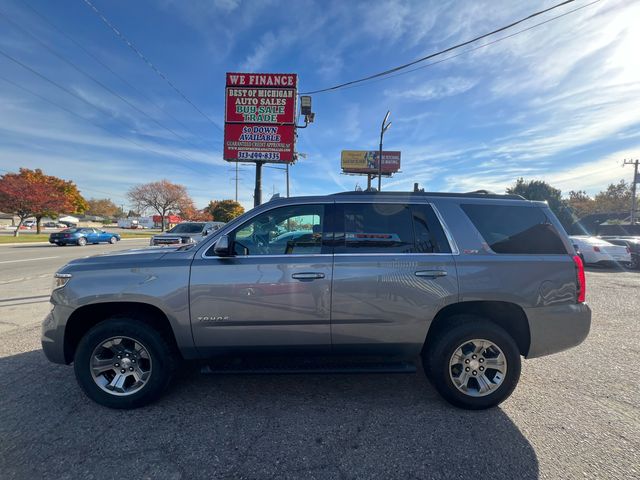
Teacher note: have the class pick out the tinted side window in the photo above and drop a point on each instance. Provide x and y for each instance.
(292, 230)
(374, 228)
(514, 229)
(430, 237)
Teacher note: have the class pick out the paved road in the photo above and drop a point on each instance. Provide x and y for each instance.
(574, 415)
(26, 273)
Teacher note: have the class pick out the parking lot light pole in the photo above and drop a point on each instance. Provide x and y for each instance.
(383, 129)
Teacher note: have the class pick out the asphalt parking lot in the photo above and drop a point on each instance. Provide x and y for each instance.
(574, 414)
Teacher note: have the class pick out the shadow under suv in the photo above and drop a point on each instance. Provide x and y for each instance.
(468, 282)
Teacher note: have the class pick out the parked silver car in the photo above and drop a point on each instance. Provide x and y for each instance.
(468, 282)
(185, 232)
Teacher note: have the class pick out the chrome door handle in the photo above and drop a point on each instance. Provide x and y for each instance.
(307, 275)
(431, 273)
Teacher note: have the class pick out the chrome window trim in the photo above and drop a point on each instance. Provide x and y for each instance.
(274, 256)
(334, 254)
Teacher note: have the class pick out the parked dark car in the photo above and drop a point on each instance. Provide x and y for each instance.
(82, 236)
(632, 243)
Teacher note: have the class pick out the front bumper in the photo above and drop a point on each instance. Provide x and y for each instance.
(53, 327)
(557, 328)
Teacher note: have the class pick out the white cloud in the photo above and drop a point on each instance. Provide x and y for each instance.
(434, 89)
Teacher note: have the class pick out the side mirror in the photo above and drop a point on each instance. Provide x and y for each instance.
(208, 231)
(222, 247)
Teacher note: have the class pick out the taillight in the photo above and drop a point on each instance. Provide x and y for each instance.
(582, 284)
(596, 249)
(628, 251)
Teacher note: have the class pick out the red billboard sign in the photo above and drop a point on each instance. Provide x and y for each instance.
(253, 142)
(260, 115)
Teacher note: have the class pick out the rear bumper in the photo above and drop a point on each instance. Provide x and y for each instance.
(557, 328)
(64, 241)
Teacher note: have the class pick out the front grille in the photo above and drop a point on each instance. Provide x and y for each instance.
(166, 241)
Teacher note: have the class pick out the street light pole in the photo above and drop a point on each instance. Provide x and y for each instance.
(633, 187)
(383, 128)
(287, 180)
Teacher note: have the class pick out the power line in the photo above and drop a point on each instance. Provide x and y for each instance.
(21, 87)
(95, 80)
(127, 42)
(432, 55)
(399, 74)
(107, 67)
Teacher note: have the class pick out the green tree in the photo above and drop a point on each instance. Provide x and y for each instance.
(580, 203)
(224, 210)
(542, 191)
(616, 198)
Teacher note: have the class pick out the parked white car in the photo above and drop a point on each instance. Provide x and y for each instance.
(595, 250)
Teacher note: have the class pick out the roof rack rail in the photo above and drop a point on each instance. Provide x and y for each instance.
(475, 194)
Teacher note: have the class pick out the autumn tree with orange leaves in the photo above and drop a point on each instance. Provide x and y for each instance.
(162, 197)
(31, 193)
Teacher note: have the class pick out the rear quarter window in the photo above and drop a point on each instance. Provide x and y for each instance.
(515, 229)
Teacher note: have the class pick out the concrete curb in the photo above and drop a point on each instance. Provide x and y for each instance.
(41, 243)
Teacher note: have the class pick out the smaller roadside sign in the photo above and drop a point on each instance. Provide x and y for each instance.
(254, 142)
(366, 161)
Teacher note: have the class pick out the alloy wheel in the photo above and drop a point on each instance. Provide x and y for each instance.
(120, 366)
(477, 367)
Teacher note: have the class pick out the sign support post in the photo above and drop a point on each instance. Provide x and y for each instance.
(257, 192)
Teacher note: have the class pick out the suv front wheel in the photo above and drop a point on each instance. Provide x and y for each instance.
(123, 363)
(474, 364)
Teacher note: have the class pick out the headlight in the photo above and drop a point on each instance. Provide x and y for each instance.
(60, 280)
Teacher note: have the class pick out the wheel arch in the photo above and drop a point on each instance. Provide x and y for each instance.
(510, 316)
(87, 316)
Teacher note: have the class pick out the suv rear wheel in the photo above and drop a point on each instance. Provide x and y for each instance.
(123, 363)
(473, 365)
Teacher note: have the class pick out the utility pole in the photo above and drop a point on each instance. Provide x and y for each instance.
(236, 181)
(633, 187)
(383, 128)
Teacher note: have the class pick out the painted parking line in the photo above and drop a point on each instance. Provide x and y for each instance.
(30, 259)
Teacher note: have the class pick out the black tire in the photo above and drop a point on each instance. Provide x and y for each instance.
(635, 262)
(113, 240)
(82, 242)
(437, 355)
(163, 360)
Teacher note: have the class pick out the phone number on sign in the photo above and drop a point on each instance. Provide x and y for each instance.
(258, 155)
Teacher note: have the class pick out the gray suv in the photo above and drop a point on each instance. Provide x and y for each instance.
(468, 283)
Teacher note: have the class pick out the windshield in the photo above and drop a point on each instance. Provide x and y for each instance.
(187, 228)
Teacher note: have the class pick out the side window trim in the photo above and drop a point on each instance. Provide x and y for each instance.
(453, 246)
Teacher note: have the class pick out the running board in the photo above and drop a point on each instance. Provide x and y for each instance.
(290, 368)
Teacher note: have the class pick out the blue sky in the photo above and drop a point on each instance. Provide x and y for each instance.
(559, 102)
